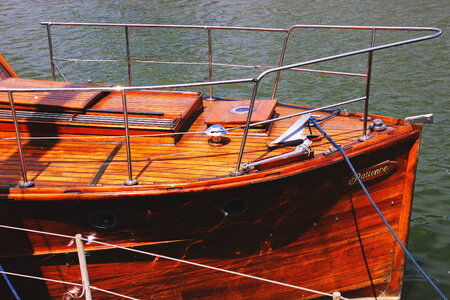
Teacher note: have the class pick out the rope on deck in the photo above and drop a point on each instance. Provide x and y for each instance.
(337, 146)
(154, 255)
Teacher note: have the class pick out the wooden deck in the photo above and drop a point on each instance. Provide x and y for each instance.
(102, 161)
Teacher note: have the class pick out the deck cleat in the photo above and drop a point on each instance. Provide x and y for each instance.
(377, 125)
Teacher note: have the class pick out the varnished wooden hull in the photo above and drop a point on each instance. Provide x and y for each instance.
(306, 228)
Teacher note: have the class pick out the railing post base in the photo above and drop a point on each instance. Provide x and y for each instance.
(131, 182)
(237, 173)
(26, 184)
(363, 138)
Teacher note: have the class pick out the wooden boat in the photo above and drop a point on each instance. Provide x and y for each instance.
(133, 167)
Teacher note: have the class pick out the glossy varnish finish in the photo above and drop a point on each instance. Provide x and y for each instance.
(6, 71)
(44, 101)
(297, 223)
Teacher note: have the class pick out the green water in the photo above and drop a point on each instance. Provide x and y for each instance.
(408, 80)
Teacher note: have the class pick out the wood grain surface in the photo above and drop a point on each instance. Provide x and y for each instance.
(295, 221)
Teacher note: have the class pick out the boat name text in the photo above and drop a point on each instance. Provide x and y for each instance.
(376, 171)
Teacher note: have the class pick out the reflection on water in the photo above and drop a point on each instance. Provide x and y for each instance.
(407, 81)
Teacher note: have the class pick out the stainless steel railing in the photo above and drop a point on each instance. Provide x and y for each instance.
(287, 31)
(255, 81)
(209, 29)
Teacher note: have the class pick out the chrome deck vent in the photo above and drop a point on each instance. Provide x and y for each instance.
(240, 110)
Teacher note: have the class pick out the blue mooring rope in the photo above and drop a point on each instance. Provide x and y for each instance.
(335, 112)
(9, 284)
(337, 146)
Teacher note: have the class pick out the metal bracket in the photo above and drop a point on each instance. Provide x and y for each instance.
(420, 119)
(293, 135)
(303, 148)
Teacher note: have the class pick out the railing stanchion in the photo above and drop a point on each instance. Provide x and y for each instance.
(128, 55)
(83, 267)
(366, 102)
(238, 171)
(130, 180)
(50, 49)
(283, 51)
(210, 64)
(25, 183)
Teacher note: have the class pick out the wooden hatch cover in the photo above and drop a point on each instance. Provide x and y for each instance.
(235, 112)
(175, 109)
(68, 101)
(155, 104)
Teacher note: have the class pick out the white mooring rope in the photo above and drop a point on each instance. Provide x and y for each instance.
(68, 283)
(154, 255)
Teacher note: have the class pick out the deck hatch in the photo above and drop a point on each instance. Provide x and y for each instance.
(235, 112)
(67, 101)
(86, 119)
